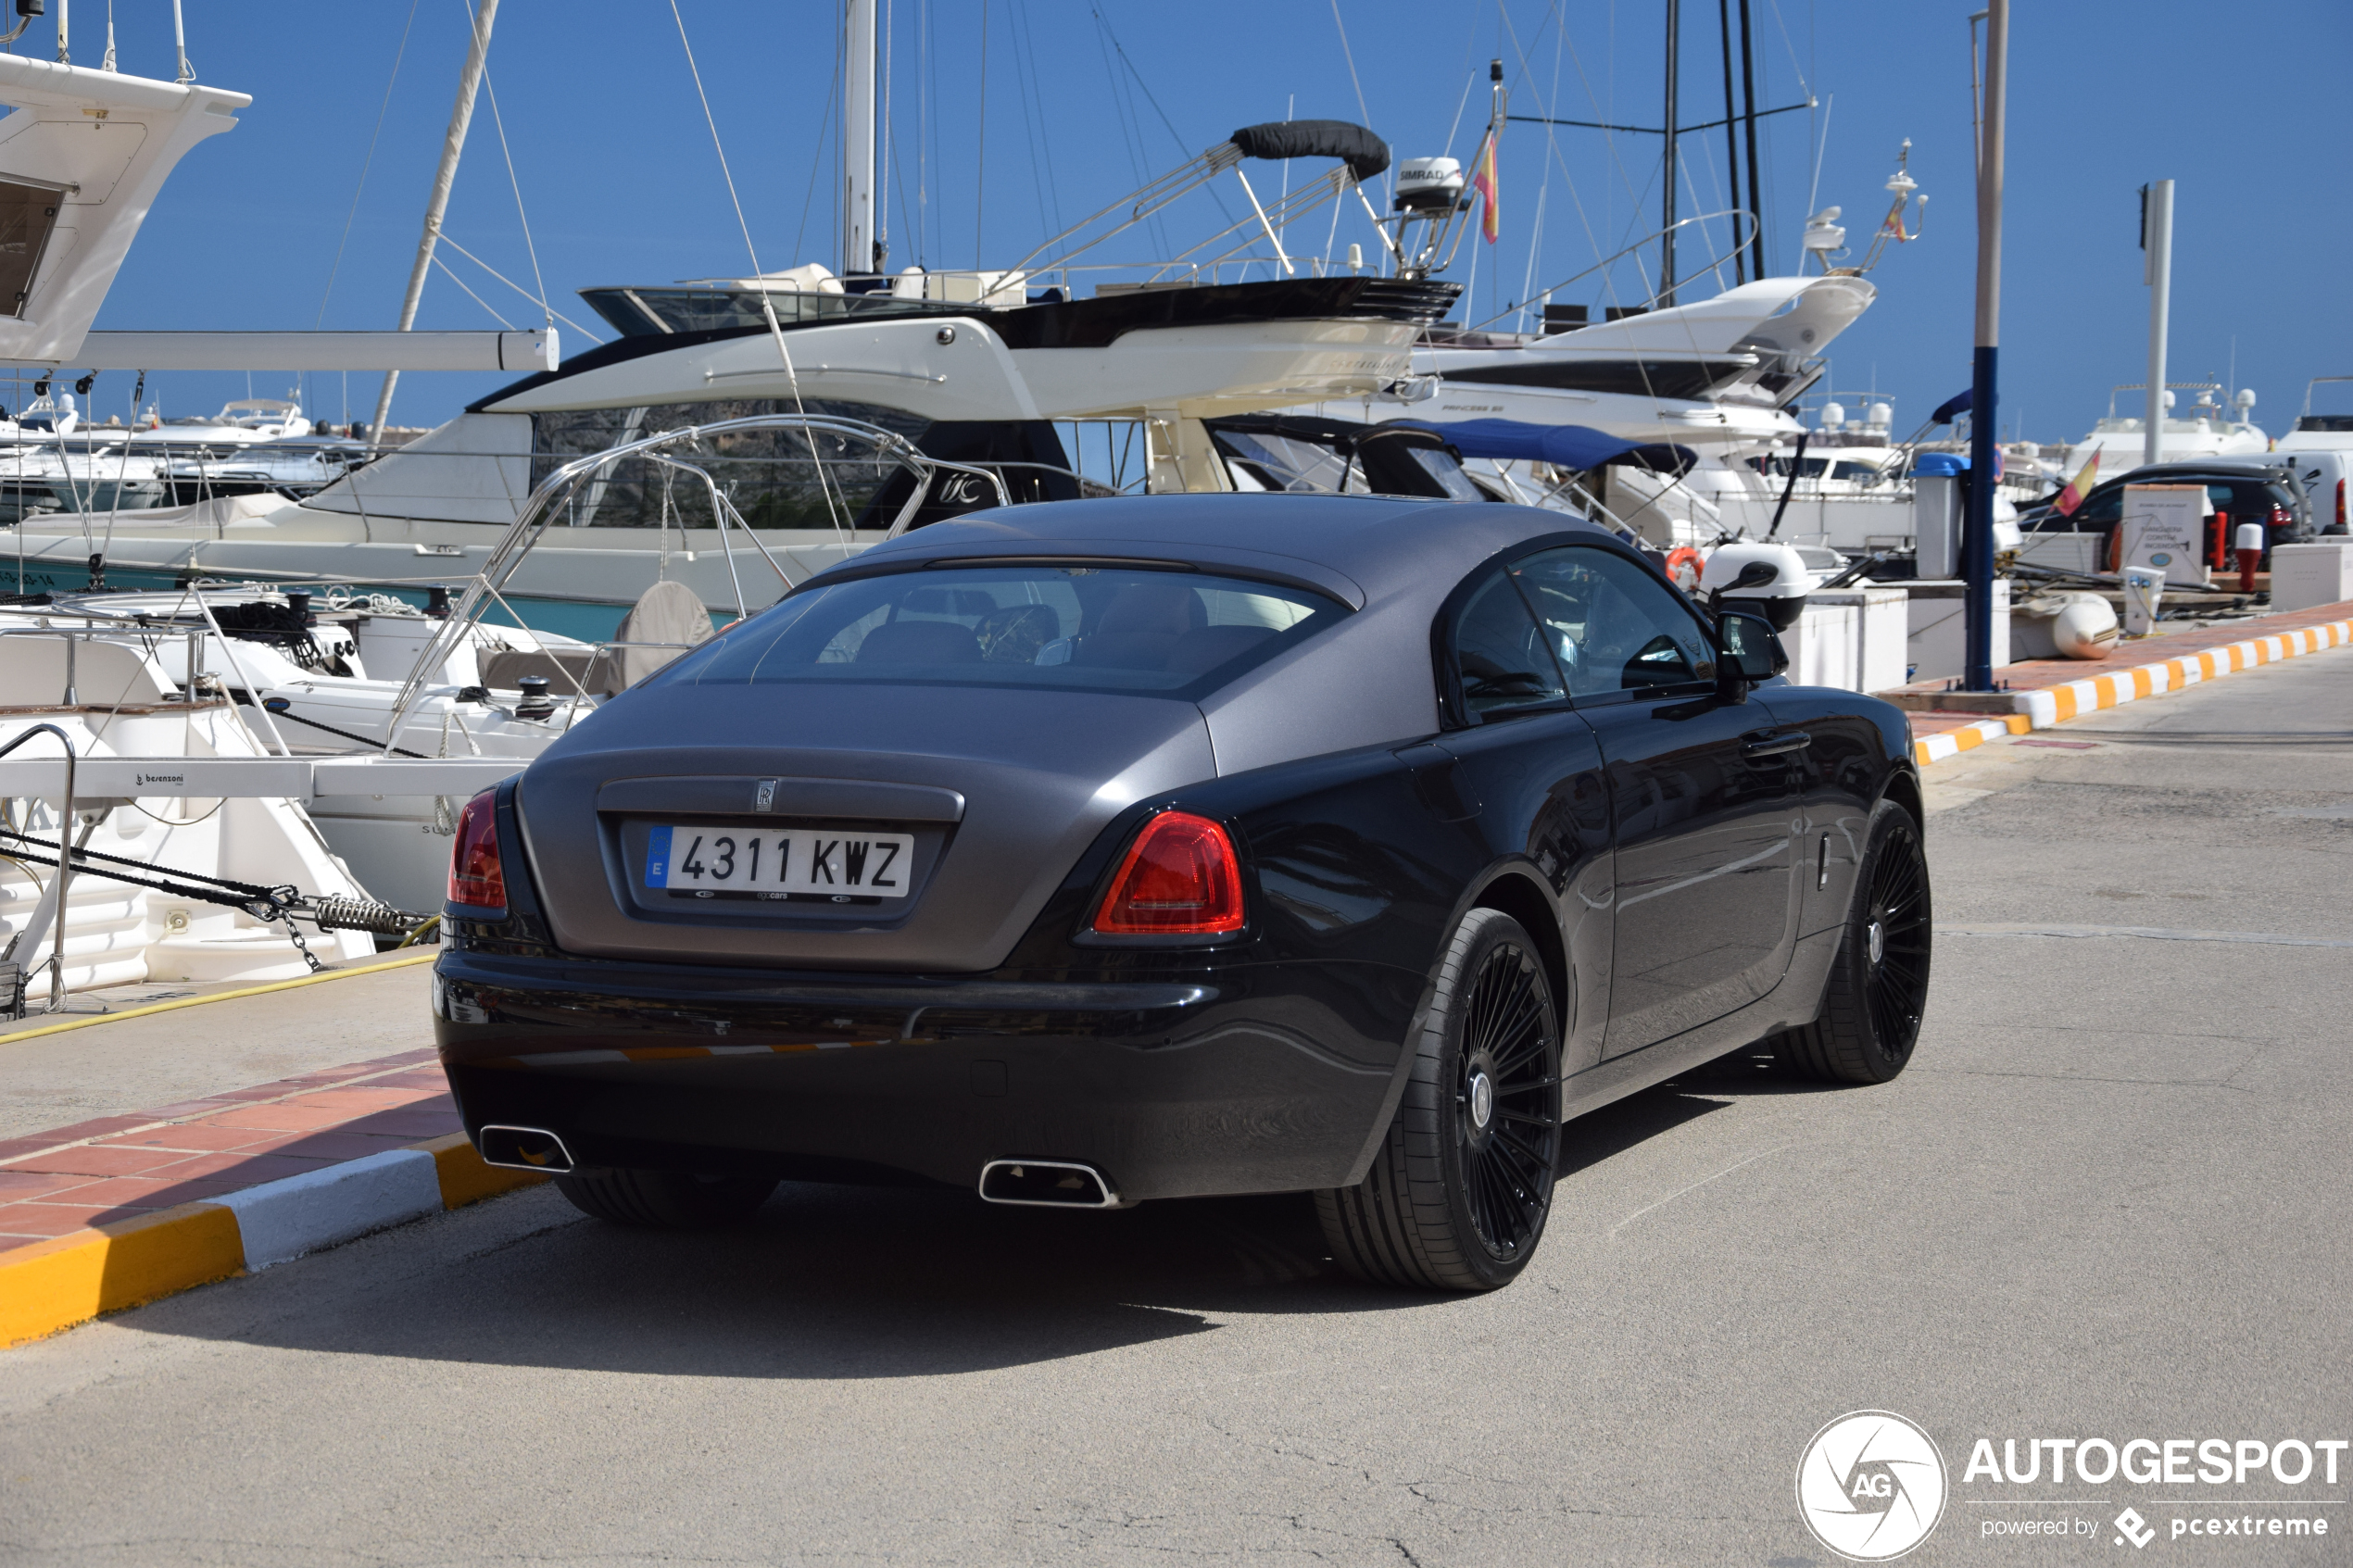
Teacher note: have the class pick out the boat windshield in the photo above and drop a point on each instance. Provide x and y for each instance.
(643, 312)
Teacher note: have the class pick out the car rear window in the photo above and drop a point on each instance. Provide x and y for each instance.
(1108, 628)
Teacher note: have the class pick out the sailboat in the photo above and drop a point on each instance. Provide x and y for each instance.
(972, 366)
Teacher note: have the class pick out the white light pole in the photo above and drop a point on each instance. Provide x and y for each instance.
(2157, 239)
(1984, 413)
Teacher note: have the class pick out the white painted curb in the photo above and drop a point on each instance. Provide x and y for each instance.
(2054, 705)
(283, 1219)
(1952, 742)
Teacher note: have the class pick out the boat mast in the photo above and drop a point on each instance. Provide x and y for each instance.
(1732, 139)
(1667, 223)
(861, 249)
(461, 116)
(1756, 190)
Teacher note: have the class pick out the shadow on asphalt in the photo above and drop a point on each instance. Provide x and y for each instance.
(838, 1281)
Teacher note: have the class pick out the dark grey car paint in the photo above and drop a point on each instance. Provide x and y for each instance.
(1041, 775)
(1040, 772)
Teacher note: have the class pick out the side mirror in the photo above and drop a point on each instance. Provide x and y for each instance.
(1755, 574)
(1749, 649)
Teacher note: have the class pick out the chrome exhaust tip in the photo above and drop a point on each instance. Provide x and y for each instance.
(525, 1149)
(1047, 1183)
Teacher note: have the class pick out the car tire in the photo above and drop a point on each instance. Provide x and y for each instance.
(1878, 989)
(1459, 1190)
(669, 1200)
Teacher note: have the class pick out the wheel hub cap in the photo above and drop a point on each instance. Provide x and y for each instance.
(1875, 937)
(1482, 1100)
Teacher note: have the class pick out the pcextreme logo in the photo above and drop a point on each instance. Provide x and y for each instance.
(1871, 1486)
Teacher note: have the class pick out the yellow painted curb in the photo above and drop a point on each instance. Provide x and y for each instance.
(46, 1286)
(1952, 742)
(54, 1285)
(2056, 705)
(177, 1002)
(465, 1179)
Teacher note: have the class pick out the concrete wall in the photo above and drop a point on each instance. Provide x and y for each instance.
(1936, 639)
(2307, 575)
(1852, 638)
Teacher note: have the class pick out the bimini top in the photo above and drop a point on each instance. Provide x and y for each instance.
(1365, 154)
(1566, 447)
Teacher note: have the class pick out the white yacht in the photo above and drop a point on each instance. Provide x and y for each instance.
(2208, 431)
(1672, 413)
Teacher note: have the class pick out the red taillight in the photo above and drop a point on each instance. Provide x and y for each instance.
(2282, 518)
(1182, 878)
(476, 880)
(2340, 503)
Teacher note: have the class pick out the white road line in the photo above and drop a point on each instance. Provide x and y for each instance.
(1694, 1188)
(2148, 933)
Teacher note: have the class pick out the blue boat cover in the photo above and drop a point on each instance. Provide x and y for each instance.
(1567, 446)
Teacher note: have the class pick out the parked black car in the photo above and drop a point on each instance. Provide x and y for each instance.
(1139, 848)
(2243, 490)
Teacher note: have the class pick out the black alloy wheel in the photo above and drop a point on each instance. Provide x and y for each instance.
(1508, 1100)
(1878, 989)
(1459, 1191)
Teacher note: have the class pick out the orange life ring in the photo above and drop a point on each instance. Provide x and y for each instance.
(1683, 566)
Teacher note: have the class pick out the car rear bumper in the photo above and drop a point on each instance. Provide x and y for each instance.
(1248, 1078)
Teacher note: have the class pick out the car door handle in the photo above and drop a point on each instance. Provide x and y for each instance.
(1774, 746)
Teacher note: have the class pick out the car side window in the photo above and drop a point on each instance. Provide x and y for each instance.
(1615, 628)
(1498, 652)
(2104, 509)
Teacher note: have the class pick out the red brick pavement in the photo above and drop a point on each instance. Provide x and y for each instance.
(120, 1167)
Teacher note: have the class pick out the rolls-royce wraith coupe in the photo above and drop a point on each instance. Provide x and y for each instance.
(1149, 847)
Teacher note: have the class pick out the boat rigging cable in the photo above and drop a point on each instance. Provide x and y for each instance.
(767, 306)
(531, 248)
(280, 904)
(365, 165)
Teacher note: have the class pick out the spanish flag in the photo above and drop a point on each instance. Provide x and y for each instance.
(2080, 486)
(1484, 183)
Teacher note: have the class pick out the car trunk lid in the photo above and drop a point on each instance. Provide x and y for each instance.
(980, 799)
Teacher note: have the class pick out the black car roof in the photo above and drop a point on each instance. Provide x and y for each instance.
(1384, 544)
(2231, 467)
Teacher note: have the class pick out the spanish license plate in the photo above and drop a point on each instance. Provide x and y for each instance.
(833, 867)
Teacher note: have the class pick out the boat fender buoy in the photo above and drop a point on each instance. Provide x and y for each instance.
(1683, 567)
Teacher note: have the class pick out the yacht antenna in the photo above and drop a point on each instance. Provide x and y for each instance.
(462, 116)
(860, 246)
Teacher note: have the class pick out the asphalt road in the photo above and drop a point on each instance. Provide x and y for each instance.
(2108, 1200)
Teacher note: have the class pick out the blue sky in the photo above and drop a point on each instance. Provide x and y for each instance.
(2241, 105)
